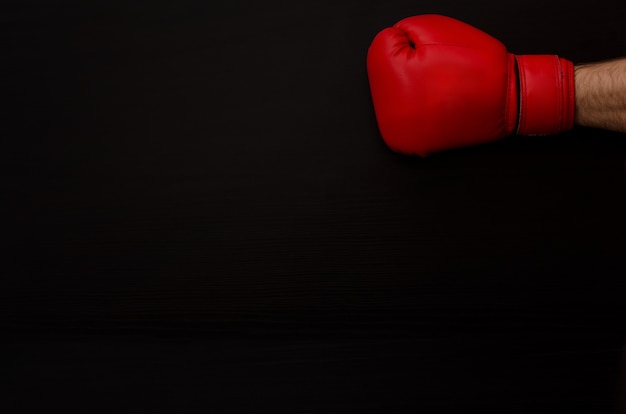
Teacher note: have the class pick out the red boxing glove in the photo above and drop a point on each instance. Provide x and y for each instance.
(438, 83)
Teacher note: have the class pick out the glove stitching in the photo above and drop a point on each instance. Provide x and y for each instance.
(522, 75)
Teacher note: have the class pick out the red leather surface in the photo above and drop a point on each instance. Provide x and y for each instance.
(438, 83)
(547, 90)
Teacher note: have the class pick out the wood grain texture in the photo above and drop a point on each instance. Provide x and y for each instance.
(201, 216)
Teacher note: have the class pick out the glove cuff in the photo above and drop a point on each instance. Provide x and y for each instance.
(547, 103)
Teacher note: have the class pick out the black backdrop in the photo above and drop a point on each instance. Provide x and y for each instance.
(201, 216)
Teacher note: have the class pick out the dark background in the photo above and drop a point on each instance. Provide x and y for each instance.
(201, 216)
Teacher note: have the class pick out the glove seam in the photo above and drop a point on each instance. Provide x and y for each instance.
(522, 111)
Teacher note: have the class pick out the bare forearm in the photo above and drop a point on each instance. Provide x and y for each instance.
(601, 95)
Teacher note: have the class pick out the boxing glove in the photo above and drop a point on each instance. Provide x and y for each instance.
(438, 83)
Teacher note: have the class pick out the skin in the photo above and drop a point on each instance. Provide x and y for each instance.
(601, 95)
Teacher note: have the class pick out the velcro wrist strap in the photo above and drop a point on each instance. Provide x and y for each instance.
(547, 103)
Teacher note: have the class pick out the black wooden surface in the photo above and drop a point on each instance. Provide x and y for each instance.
(200, 216)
